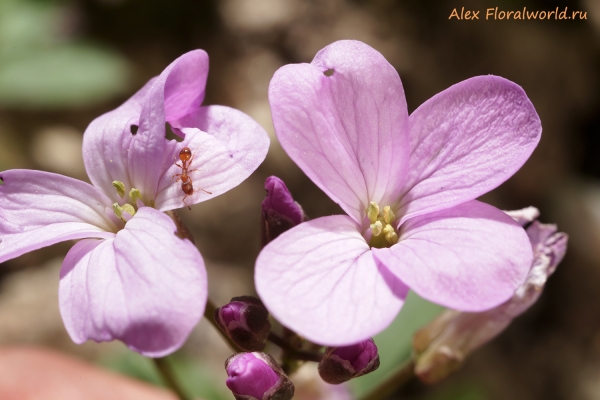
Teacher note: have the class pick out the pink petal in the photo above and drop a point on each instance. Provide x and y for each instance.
(178, 90)
(145, 287)
(38, 209)
(467, 140)
(321, 280)
(471, 257)
(106, 143)
(349, 131)
(112, 151)
(228, 146)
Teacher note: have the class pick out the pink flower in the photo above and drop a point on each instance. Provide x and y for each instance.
(131, 278)
(408, 185)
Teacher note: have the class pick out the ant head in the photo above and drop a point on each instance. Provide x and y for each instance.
(185, 154)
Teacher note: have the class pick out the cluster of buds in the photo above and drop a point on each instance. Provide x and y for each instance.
(442, 346)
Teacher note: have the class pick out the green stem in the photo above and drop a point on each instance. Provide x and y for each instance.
(209, 314)
(168, 376)
(293, 353)
(400, 377)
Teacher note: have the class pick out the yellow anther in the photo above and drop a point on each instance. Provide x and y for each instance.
(117, 210)
(390, 234)
(120, 186)
(373, 211)
(128, 208)
(376, 228)
(388, 215)
(134, 195)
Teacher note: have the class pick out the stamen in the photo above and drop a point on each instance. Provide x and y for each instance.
(135, 195)
(117, 210)
(128, 208)
(120, 186)
(373, 211)
(388, 215)
(390, 234)
(376, 228)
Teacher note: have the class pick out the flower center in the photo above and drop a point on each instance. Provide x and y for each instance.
(127, 210)
(383, 233)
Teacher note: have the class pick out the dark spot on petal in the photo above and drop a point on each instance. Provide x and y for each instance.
(329, 72)
(230, 155)
(133, 129)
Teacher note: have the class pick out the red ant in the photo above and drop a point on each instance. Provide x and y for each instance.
(186, 157)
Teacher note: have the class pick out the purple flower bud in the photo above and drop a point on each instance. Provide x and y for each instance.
(341, 364)
(442, 346)
(256, 376)
(246, 321)
(279, 210)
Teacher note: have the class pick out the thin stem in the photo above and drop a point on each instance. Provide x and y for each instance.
(168, 376)
(293, 353)
(209, 314)
(400, 377)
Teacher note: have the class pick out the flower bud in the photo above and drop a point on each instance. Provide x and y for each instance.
(246, 321)
(256, 376)
(341, 364)
(442, 346)
(279, 210)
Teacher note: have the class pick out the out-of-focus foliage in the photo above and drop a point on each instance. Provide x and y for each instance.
(395, 342)
(194, 377)
(42, 64)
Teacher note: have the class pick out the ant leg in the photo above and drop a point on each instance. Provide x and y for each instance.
(187, 205)
(178, 179)
(205, 191)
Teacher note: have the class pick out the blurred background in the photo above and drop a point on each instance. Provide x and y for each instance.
(65, 62)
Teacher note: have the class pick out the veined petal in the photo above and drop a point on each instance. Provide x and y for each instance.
(106, 144)
(178, 90)
(466, 141)
(343, 120)
(38, 209)
(471, 257)
(218, 164)
(128, 144)
(145, 287)
(321, 280)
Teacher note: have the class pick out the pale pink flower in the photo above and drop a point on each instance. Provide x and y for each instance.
(131, 278)
(343, 119)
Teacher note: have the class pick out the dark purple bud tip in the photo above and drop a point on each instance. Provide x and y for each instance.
(256, 376)
(279, 210)
(246, 321)
(341, 364)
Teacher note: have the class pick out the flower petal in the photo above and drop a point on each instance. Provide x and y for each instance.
(228, 147)
(470, 257)
(467, 140)
(343, 120)
(145, 287)
(177, 90)
(38, 209)
(106, 143)
(128, 144)
(321, 280)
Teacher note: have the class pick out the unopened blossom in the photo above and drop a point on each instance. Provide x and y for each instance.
(408, 185)
(442, 346)
(340, 364)
(256, 376)
(279, 210)
(245, 321)
(130, 277)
